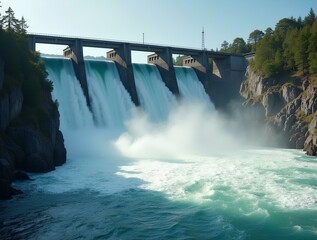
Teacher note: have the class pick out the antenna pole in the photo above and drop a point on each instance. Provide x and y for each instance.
(203, 39)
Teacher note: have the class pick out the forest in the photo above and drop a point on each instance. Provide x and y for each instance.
(291, 47)
(23, 68)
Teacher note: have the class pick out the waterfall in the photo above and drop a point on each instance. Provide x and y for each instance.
(154, 96)
(190, 87)
(111, 103)
(74, 112)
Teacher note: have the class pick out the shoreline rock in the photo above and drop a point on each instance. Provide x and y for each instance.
(24, 147)
(290, 107)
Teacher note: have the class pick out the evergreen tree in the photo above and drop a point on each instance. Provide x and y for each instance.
(312, 49)
(254, 37)
(292, 46)
(22, 26)
(238, 46)
(269, 31)
(301, 50)
(289, 49)
(9, 21)
(224, 46)
(310, 19)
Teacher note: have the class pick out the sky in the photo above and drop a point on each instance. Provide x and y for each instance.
(164, 22)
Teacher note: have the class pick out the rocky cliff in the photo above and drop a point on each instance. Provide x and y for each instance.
(27, 144)
(289, 106)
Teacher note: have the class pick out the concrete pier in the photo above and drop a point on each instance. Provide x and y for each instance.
(75, 53)
(122, 57)
(164, 62)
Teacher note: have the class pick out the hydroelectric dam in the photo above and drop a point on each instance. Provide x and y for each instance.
(220, 73)
(173, 168)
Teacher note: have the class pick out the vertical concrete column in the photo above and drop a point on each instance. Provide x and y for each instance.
(79, 67)
(124, 65)
(32, 42)
(223, 66)
(166, 69)
(203, 68)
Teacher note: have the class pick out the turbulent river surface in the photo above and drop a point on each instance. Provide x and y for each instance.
(170, 170)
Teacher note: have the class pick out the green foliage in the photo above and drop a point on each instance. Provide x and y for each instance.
(312, 49)
(8, 21)
(254, 37)
(291, 46)
(224, 46)
(179, 60)
(24, 69)
(301, 50)
(238, 46)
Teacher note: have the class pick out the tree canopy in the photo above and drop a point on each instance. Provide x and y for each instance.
(9, 22)
(23, 69)
(291, 46)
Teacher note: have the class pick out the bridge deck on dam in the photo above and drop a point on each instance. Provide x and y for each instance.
(144, 47)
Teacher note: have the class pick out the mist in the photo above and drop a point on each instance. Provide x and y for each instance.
(191, 129)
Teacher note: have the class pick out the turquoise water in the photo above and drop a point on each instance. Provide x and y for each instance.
(173, 170)
(254, 194)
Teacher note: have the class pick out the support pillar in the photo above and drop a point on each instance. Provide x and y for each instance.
(77, 57)
(166, 68)
(202, 67)
(31, 42)
(122, 57)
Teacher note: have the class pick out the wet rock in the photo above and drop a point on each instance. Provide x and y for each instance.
(21, 175)
(59, 150)
(290, 92)
(37, 147)
(273, 102)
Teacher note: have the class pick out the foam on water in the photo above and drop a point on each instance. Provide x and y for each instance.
(155, 98)
(110, 101)
(67, 91)
(190, 87)
(179, 173)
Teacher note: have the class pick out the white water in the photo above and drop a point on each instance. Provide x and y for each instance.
(184, 177)
(190, 87)
(110, 101)
(155, 98)
(67, 91)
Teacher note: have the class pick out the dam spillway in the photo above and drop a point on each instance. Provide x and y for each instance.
(111, 104)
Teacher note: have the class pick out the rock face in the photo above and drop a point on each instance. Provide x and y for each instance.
(290, 107)
(25, 147)
(10, 107)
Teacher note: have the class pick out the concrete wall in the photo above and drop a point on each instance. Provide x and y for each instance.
(164, 62)
(228, 74)
(122, 57)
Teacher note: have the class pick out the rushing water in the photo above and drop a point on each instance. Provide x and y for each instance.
(177, 174)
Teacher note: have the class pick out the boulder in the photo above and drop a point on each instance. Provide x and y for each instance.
(6, 170)
(6, 190)
(59, 150)
(15, 103)
(38, 149)
(36, 162)
(273, 102)
(310, 145)
(21, 175)
(290, 92)
(4, 112)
